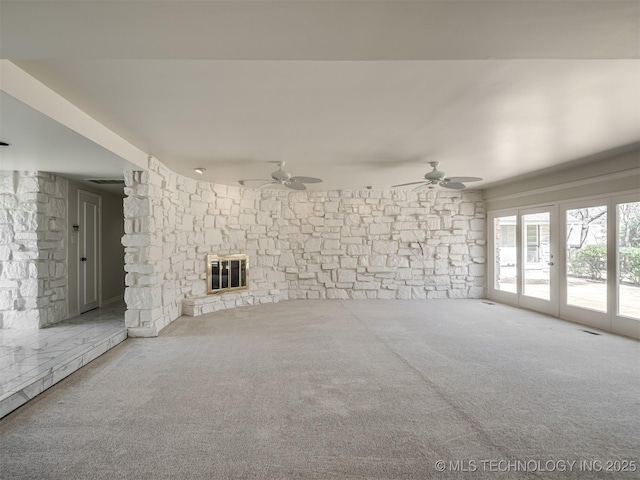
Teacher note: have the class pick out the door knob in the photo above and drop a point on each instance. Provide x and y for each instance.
(83, 259)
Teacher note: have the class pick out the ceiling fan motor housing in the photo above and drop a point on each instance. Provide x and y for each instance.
(281, 176)
(434, 175)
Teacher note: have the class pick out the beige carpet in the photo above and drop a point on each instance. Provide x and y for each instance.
(340, 390)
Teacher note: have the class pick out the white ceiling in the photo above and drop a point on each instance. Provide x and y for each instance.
(358, 93)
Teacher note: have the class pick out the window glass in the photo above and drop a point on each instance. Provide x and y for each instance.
(505, 254)
(587, 257)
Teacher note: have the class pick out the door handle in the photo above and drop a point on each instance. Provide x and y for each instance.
(550, 264)
(83, 259)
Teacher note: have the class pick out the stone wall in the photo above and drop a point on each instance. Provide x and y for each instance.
(33, 272)
(337, 244)
(171, 223)
(383, 244)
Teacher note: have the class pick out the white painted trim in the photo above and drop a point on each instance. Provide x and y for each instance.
(67, 244)
(577, 313)
(493, 294)
(564, 186)
(551, 306)
(19, 84)
(621, 324)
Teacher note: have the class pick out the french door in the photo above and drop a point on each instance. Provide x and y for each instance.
(579, 260)
(524, 267)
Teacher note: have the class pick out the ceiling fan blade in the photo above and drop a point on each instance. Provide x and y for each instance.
(462, 179)
(306, 179)
(423, 186)
(253, 180)
(295, 185)
(452, 185)
(407, 184)
(266, 184)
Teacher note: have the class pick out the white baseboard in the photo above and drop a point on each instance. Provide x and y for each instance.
(117, 298)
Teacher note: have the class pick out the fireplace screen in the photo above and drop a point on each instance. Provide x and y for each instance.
(227, 273)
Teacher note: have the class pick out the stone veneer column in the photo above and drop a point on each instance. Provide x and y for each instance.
(33, 250)
(143, 252)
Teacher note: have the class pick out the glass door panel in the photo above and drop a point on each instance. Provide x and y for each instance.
(628, 241)
(505, 254)
(536, 273)
(586, 257)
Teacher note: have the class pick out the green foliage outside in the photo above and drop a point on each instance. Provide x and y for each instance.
(588, 262)
(630, 265)
(591, 262)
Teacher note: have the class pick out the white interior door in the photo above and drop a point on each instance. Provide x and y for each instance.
(89, 250)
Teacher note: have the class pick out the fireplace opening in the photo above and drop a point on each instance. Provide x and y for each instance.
(227, 273)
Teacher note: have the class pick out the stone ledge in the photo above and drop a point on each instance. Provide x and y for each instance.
(195, 306)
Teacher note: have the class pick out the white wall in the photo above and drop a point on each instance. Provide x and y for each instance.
(337, 244)
(112, 249)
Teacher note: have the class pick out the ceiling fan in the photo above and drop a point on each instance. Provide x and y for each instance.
(282, 177)
(436, 177)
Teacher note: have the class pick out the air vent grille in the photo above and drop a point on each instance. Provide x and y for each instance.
(106, 181)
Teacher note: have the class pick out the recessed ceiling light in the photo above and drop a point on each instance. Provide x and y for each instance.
(4, 144)
(200, 170)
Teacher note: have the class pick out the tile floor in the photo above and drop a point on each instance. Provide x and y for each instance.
(33, 360)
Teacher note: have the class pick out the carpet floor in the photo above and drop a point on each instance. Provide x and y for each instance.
(342, 390)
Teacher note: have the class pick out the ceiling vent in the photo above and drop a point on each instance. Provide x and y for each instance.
(106, 181)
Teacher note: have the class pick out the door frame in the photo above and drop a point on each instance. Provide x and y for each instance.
(611, 320)
(518, 299)
(495, 294)
(619, 323)
(551, 306)
(99, 247)
(574, 313)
